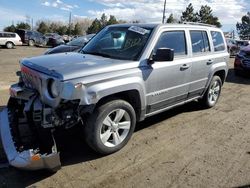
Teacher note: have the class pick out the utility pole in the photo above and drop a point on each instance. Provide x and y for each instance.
(164, 11)
(70, 23)
(32, 24)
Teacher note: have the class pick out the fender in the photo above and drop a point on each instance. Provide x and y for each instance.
(100, 90)
(221, 66)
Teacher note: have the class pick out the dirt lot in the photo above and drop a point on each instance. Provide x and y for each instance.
(184, 147)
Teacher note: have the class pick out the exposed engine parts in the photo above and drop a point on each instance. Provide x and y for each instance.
(65, 116)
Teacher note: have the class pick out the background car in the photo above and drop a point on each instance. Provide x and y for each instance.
(232, 47)
(242, 62)
(242, 43)
(72, 46)
(32, 38)
(54, 39)
(9, 40)
(67, 38)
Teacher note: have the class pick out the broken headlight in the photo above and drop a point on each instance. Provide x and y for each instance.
(53, 88)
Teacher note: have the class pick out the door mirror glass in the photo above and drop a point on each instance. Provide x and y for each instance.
(163, 54)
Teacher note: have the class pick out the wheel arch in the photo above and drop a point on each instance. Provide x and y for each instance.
(130, 96)
(221, 74)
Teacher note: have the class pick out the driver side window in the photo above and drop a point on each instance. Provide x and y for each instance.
(175, 40)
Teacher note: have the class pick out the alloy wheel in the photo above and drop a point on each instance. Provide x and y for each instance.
(115, 128)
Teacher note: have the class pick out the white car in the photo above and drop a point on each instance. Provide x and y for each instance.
(9, 40)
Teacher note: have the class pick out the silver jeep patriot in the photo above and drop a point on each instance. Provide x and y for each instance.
(125, 74)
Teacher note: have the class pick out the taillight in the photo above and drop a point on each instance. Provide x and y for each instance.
(237, 61)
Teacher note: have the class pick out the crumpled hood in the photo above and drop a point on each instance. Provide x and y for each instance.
(75, 65)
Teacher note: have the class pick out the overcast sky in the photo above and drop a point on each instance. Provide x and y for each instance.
(228, 11)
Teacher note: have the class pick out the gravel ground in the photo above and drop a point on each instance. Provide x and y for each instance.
(185, 147)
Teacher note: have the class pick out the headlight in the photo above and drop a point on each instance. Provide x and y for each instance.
(53, 88)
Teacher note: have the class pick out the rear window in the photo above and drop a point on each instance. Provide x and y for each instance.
(218, 41)
(200, 43)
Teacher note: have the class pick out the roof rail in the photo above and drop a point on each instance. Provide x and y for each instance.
(198, 23)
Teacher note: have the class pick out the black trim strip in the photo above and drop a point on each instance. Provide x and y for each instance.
(165, 103)
(175, 100)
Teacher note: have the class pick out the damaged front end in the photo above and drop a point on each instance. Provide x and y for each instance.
(27, 144)
(38, 107)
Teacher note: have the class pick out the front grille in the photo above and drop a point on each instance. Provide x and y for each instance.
(31, 80)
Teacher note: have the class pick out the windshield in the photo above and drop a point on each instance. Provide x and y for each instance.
(80, 41)
(119, 42)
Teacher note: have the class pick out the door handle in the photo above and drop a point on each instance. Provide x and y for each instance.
(184, 67)
(209, 62)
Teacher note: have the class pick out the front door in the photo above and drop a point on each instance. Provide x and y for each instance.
(167, 83)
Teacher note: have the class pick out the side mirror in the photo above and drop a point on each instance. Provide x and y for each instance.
(163, 54)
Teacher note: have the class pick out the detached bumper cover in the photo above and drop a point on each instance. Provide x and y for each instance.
(27, 159)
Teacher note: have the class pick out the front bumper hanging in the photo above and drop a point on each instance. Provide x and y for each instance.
(27, 159)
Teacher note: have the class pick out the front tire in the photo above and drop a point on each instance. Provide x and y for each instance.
(212, 94)
(110, 126)
(9, 45)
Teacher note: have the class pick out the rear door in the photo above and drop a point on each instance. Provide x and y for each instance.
(202, 58)
(167, 82)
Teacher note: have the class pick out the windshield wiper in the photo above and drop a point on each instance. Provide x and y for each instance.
(96, 53)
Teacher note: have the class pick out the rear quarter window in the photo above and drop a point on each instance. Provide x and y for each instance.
(218, 41)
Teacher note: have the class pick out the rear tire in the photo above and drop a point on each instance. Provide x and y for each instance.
(9, 45)
(212, 94)
(110, 126)
(31, 42)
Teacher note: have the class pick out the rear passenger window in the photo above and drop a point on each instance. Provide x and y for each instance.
(200, 43)
(174, 40)
(8, 35)
(218, 41)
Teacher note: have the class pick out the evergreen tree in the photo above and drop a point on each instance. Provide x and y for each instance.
(170, 18)
(243, 27)
(10, 28)
(62, 30)
(23, 25)
(205, 16)
(43, 27)
(95, 27)
(77, 29)
(112, 20)
(188, 15)
(54, 27)
(103, 20)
